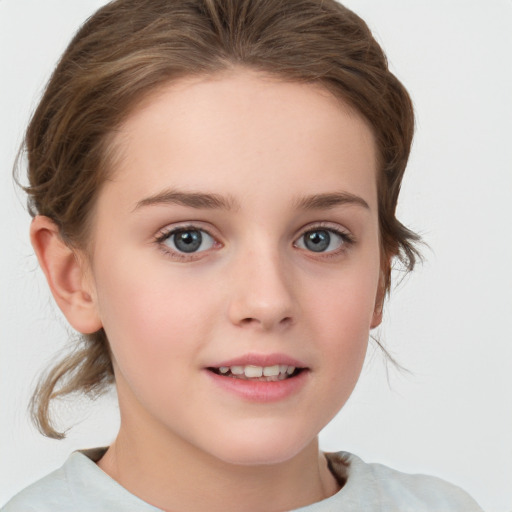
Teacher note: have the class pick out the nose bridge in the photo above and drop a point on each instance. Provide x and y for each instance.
(262, 286)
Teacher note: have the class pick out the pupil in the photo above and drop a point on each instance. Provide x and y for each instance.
(317, 241)
(188, 241)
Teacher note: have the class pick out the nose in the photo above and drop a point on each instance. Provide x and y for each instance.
(261, 294)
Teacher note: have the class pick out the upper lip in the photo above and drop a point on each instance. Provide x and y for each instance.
(260, 360)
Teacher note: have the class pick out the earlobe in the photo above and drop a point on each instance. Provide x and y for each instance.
(377, 316)
(379, 302)
(65, 275)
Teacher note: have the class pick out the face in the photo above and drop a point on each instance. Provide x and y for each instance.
(235, 264)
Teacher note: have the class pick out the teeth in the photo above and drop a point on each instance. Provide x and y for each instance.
(254, 372)
(271, 371)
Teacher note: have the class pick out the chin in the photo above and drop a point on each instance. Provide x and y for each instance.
(262, 449)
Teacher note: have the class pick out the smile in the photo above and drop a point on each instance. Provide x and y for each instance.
(274, 373)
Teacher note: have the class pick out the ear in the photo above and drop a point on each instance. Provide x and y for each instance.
(66, 275)
(379, 301)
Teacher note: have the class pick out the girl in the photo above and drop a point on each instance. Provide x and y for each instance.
(213, 185)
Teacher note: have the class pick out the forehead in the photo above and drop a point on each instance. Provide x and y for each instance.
(242, 128)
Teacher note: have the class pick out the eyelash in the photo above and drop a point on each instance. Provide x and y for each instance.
(165, 234)
(347, 240)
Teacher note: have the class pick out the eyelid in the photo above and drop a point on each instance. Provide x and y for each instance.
(344, 233)
(165, 233)
(327, 226)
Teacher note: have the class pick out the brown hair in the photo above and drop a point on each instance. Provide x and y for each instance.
(131, 47)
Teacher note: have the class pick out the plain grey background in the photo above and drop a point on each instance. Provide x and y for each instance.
(448, 323)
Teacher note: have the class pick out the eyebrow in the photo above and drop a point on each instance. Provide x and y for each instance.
(330, 200)
(197, 200)
(201, 200)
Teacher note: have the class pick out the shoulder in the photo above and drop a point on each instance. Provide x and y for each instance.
(51, 493)
(378, 487)
(79, 485)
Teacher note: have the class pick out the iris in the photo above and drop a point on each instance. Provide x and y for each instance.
(317, 241)
(188, 241)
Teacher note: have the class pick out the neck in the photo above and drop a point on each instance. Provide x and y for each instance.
(173, 475)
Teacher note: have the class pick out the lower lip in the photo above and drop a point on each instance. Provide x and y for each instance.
(261, 391)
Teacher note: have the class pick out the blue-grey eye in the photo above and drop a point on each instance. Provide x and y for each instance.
(189, 240)
(320, 240)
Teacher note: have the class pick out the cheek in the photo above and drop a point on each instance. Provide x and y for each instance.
(342, 313)
(345, 324)
(346, 299)
(339, 316)
(153, 320)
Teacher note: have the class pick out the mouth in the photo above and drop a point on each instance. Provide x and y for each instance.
(274, 373)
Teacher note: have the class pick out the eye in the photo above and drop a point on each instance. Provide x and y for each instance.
(322, 240)
(188, 240)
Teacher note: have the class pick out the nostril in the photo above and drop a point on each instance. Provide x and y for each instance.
(283, 322)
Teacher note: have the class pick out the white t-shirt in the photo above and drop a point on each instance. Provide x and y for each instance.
(81, 486)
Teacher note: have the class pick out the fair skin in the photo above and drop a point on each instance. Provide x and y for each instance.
(277, 264)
